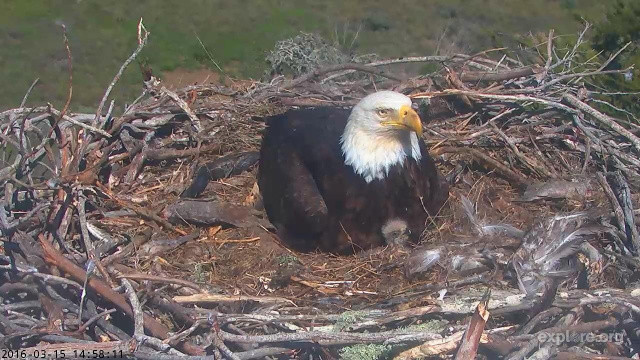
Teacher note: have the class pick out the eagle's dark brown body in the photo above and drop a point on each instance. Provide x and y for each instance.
(316, 201)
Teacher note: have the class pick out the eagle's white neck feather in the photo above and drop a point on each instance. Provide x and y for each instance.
(372, 154)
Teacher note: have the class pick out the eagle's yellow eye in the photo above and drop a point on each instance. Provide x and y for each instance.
(383, 112)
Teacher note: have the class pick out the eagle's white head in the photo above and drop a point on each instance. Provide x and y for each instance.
(382, 131)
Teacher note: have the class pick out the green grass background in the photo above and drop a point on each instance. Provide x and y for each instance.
(238, 34)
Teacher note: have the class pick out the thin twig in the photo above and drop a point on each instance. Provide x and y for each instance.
(70, 70)
(603, 119)
(142, 41)
(26, 96)
(185, 107)
(515, 98)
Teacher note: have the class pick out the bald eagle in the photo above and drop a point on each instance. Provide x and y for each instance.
(344, 181)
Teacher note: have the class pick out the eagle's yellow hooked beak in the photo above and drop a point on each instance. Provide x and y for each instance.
(406, 118)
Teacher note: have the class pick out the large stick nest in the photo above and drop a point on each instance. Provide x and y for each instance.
(102, 254)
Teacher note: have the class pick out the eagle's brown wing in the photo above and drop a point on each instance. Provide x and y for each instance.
(435, 188)
(290, 194)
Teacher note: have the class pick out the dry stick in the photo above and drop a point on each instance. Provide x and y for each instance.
(530, 163)
(55, 258)
(142, 41)
(185, 283)
(435, 58)
(386, 337)
(138, 319)
(108, 114)
(23, 157)
(239, 331)
(603, 119)
(205, 298)
(497, 76)
(417, 312)
(467, 58)
(263, 352)
(570, 54)
(616, 108)
(526, 328)
(65, 163)
(561, 79)
(26, 217)
(10, 141)
(571, 319)
(26, 96)
(627, 209)
(83, 295)
(62, 143)
(185, 107)
(60, 136)
(48, 278)
(617, 209)
(138, 322)
(432, 347)
(81, 124)
(217, 341)
(519, 180)
(93, 319)
(516, 98)
(70, 69)
(168, 154)
(25, 110)
(544, 352)
(547, 349)
(136, 166)
(21, 305)
(181, 336)
(88, 244)
(610, 299)
(321, 71)
(181, 315)
(24, 121)
(547, 65)
(536, 340)
(448, 344)
(56, 113)
(21, 137)
(582, 106)
(602, 147)
(402, 60)
(610, 59)
(587, 154)
(60, 215)
(582, 328)
(542, 157)
(146, 214)
(472, 335)
(226, 319)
